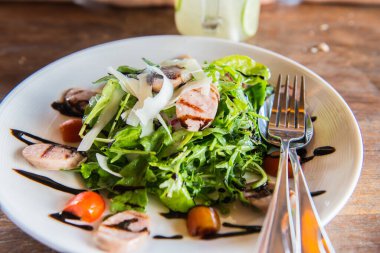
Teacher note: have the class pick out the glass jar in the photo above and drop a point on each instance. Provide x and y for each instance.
(236, 20)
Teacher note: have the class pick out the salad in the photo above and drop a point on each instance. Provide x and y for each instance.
(139, 143)
(181, 132)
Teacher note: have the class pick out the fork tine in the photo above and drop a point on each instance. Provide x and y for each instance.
(301, 106)
(283, 100)
(292, 115)
(274, 114)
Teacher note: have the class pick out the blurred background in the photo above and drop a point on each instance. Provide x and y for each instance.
(338, 39)
(36, 32)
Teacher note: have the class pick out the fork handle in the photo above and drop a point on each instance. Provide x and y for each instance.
(310, 232)
(278, 234)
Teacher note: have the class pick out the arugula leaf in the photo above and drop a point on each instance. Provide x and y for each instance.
(129, 70)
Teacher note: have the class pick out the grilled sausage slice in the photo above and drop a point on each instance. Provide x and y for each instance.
(196, 110)
(122, 232)
(176, 74)
(52, 157)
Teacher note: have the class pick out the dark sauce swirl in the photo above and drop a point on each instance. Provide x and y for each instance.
(48, 182)
(22, 136)
(174, 215)
(317, 193)
(175, 237)
(246, 227)
(229, 234)
(246, 230)
(63, 216)
(320, 151)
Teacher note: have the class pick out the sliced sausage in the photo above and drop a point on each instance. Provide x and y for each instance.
(176, 74)
(122, 232)
(196, 109)
(52, 157)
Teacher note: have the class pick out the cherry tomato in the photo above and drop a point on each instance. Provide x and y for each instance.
(270, 164)
(70, 130)
(202, 220)
(88, 206)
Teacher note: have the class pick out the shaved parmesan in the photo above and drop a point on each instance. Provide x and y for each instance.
(153, 105)
(129, 85)
(191, 65)
(102, 160)
(163, 123)
(203, 83)
(143, 91)
(106, 115)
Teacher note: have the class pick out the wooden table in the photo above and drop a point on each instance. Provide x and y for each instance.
(33, 35)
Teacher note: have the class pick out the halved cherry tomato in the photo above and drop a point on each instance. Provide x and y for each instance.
(270, 164)
(70, 130)
(88, 206)
(203, 220)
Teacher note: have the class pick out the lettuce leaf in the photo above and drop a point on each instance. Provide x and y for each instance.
(130, 200)
(243, 70)
(179, 201)
(244, 65)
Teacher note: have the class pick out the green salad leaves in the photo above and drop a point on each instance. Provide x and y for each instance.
(208, 167)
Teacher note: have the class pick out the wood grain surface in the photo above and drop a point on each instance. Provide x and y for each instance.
(33, 35)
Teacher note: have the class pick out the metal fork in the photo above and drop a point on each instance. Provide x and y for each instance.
(287, 123)
(310, 234)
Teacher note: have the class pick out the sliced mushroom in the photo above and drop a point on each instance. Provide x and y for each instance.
(53, 157)
(74, 102)
(196, 109)
(123, 232)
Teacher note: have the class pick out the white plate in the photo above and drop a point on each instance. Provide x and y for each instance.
(27, 107)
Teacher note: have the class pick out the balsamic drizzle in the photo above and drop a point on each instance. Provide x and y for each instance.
(48, 182)
(229, 234)
(246, 227)
(320, 151)
(246, 230)
(317, 193)
(174, 215)
(176, 237)
(325, 150)
(124, 225)
(19, 134)
(313, 118)
(62, 216)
